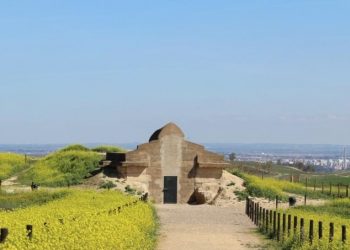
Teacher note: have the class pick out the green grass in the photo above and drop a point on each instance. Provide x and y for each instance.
(62, 168)
(11, 164)
(269, 170)
(326, 179)
(337, 207)
(25, 199)
(109, 149)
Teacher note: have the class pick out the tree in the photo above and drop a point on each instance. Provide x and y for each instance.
(232, 157)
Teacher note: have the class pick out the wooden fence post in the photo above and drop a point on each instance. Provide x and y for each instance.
(283, 225)
(306, 184)
(253, 215)
(305, 199)
(256, 213)
(311, 231)
(343, 233)
(289, 224)
(331, 231)
(274, 223)
(252, 211)
(267, 221)
(3, 234)
(263, 219)
(302, 229)
(260, 216)
(322, 187)
(29, 231)
(315, 184)
(271, 217)
(276, 202)
(295, 225)
(320, 230)
(247, 206)
(278, 226)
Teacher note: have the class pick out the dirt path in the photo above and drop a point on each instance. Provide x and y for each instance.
(206, 227)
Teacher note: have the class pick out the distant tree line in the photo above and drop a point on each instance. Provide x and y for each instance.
(304, 167)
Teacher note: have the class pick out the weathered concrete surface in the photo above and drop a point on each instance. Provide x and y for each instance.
(168, 154)
(206, 227)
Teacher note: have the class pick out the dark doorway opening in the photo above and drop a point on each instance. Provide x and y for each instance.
(170, 189)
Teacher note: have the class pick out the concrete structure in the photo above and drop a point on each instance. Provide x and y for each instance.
(169, 168)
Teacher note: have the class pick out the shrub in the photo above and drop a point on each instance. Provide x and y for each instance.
(108, 149)
(108, 185)
(241, 195)
(130, 190)
(292, 200)
(74, 147)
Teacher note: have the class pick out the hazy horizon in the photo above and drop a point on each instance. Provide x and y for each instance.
(248, 72)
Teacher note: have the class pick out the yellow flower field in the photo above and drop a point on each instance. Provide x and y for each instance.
(82, 220)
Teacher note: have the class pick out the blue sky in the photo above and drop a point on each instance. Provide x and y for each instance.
(225, 71)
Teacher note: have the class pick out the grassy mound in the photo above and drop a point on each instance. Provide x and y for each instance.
(10, 164)
(74, 147)
(62, 168)
(108, 149)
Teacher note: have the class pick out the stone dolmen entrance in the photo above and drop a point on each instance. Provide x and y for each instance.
(169, 168)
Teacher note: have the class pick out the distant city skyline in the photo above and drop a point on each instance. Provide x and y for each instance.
(224, 71)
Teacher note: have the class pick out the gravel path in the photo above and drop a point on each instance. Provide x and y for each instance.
(206, 227)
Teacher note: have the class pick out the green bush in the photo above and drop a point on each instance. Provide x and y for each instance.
(108, 149)
(108, 185)
(62, 168)
(241, 195)
(74, 147)
(130, 190)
